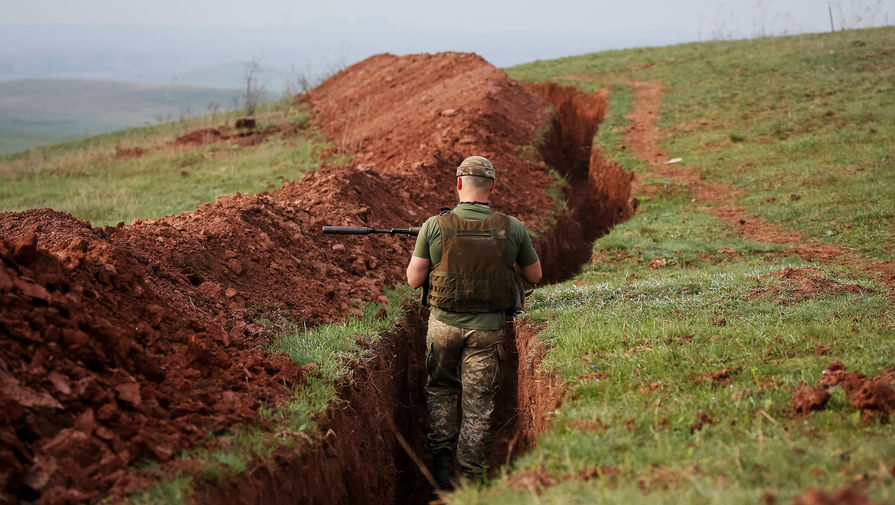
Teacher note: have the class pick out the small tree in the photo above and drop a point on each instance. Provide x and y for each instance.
(253, 90)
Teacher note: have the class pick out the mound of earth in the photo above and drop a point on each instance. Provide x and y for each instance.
(134, 342)
(417, 117)
(806, 399)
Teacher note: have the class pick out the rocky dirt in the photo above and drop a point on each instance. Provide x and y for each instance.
(134, 342)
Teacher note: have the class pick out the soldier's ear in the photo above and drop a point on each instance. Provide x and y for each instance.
(459, 183)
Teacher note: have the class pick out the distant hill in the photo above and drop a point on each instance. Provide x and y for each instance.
(36, 112)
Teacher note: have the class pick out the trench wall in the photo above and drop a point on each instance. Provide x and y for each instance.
(356, 458)
(598, 194)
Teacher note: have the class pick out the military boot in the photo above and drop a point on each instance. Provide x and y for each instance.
(444, 469)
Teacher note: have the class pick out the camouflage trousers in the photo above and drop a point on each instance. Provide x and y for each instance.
(462, 363)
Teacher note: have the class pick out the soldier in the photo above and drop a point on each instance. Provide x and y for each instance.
(467, 255)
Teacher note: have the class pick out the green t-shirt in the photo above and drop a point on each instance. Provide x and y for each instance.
(519, 250)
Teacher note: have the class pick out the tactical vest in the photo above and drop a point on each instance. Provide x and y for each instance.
(472, 275)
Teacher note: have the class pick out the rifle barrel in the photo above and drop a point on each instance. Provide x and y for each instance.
(348, 230)
(366, 230)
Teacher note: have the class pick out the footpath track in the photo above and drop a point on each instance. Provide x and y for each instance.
(644, 139)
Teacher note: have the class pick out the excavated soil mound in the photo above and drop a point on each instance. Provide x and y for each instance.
(100, 368)
(873, 396)
(131, 342)
(417, 117)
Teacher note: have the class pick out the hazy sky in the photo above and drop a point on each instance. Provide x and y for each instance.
(745, 17)
(206, 42)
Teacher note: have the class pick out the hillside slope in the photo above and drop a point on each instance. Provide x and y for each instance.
(733, 341)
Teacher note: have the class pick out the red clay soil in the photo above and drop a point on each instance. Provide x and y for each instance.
(132, 342)
(806, 399)
(536, 480)
(599, 192)
(845, 496)
(722, 376)
(102, 368)
(414, 117)
(873, 396)
(543, 392)
(644, 137)
(358, 459)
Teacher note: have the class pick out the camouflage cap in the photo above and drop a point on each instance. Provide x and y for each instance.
(476, 165)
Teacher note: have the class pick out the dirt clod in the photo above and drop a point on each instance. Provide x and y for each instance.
(874, 396)
(702, 420)
(806, 399)
(845, 496)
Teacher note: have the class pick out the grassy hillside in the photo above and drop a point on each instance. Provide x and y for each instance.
(677, 294)
(812, 115)
(37, 112)
(88, 179)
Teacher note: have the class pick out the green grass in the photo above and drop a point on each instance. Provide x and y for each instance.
(169, 492)
(86, 179)
(671, 228)
(330, 346)
(793, 115)
(651, 332)
(627, 322)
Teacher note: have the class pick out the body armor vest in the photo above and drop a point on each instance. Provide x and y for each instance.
(472, 275)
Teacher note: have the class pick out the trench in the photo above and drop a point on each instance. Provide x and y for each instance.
(357, 458)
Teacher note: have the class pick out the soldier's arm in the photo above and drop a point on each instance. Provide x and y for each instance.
(532, 273)
(526, 258)
(417, 271)
(418, 268)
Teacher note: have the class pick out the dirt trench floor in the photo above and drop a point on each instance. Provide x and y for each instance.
(130, 343)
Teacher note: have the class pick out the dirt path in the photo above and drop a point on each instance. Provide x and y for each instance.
(644, 137)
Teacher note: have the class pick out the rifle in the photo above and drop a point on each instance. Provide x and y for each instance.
(367, 230)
